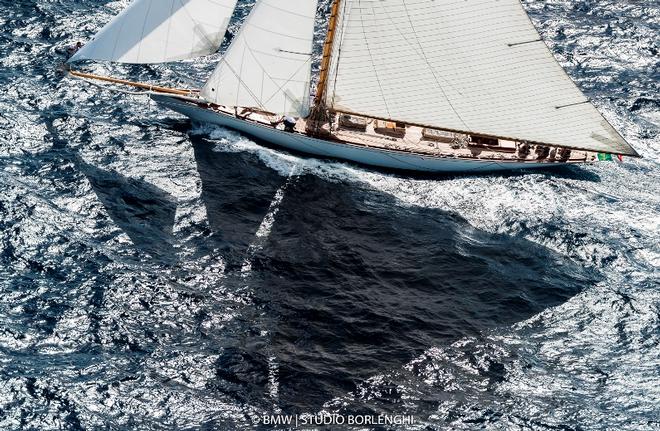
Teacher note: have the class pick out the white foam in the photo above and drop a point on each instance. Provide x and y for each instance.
(521, 205)
(266, 225)
(273, 387)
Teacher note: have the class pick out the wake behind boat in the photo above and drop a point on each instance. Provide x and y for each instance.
(434, 86)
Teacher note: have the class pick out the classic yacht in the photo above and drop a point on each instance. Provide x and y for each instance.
(429, 85)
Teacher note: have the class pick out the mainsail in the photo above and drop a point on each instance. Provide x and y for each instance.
(158, 31)
(476, 66)
(268, 65)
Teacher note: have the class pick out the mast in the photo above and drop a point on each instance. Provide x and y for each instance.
(327, 52)
(319, 110)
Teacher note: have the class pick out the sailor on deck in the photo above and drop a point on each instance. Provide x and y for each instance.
(289, 124)
(74, 48)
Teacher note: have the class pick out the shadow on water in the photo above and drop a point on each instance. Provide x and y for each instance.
(351, 284)
(575, 172)
(237, 191)
(143, 211)
(348, 284)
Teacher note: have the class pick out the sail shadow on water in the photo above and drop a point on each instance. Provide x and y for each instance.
(237, 191)
(353, 285)
(143, 211)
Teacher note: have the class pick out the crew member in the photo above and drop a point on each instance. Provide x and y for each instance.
(75, 48)
(289, 124)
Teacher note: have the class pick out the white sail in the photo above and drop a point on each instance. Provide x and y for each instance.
(466, 65)
(268, 65)
(159, 31)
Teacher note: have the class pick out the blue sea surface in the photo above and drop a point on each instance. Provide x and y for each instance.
(159, 274)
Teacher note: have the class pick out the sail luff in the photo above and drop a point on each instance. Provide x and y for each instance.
(477, 66)
(159, 31)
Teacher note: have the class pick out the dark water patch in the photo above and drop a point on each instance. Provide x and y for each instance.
(645, 103)
(237, 191)
(143, 211)
(373, 284)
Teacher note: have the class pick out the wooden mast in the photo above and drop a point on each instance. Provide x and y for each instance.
(319, 111)
(327, 53)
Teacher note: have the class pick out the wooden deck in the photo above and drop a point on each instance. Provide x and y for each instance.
(413, 141)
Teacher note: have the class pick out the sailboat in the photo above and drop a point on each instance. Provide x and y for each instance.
(424, 85)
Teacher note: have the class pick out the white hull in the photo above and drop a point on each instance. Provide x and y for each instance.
(377, 157)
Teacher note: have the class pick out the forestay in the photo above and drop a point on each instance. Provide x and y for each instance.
(268, 65)
(475, 66)
(158, 31)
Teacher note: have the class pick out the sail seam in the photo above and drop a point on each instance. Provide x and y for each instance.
(121, 27)
(287, 11)
(366, 45)
(572, 104)
(169, 29)
(426, 60)
(338, 57)
(294, 52)
(144, 27)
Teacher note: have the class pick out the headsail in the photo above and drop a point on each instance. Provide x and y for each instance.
(475, 66)
(159, 31)
(268, 65)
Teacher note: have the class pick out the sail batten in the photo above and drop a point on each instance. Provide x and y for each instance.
(476, 66)
(159, 31)
(268, 65)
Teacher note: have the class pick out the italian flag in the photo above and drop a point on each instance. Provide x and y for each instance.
(606, 157)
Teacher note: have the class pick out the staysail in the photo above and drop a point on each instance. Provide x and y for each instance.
(159, 31)
(476, 66)
(268, 65)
